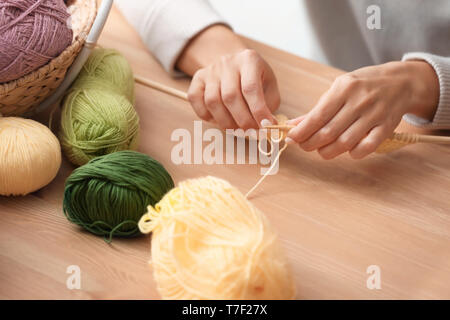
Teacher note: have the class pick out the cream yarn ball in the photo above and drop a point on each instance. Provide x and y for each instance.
(30, 156)
(210, 242)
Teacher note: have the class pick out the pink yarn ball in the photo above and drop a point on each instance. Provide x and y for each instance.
(32, 32)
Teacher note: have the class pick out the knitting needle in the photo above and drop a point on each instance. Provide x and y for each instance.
(401, 139)
(282, 127)
(405, 138)
(161, 87)
(429, 138)
(183, 95)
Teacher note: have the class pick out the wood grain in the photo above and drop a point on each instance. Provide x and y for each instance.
(334, 218)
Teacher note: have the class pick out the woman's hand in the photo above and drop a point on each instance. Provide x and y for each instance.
(232, 86)
(362, 108)
(238, 91)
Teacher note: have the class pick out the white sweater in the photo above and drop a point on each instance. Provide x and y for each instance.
(411, 29)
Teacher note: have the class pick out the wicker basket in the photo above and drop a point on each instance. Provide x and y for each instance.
(22, 95)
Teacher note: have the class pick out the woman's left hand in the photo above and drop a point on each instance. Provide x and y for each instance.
(362, 108)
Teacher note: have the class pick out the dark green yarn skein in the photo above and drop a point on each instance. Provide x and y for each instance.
(108, 195)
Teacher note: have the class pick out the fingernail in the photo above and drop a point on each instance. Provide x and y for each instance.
(291, 131)
(265, 123)
(289, 141)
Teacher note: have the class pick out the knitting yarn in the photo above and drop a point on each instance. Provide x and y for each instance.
(108, 195)
(30, 156)
(209, 242)
(32, 32)
(98, 116)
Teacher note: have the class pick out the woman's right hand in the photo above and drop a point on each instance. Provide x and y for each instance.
(237, 91)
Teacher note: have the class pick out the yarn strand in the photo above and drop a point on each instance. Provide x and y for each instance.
(267, 172)
(281, 137)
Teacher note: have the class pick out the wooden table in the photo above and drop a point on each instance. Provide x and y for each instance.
(335, 218)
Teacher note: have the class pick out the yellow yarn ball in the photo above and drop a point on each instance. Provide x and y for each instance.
(30, 156)
(209, 242)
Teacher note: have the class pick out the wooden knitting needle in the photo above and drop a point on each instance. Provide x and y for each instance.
(396, 141)
(400, 139)
(282, 127)
(415, 138)
(161, 87)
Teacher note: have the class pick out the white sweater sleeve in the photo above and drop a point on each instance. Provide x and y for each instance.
(166, 26)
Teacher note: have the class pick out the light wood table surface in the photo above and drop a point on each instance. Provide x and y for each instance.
(334, 218)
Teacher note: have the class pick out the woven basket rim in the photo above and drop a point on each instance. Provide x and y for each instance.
(77, 42)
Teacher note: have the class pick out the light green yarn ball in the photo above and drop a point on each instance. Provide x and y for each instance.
(98, 115)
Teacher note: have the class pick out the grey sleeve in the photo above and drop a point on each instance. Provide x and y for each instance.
(441, 65)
